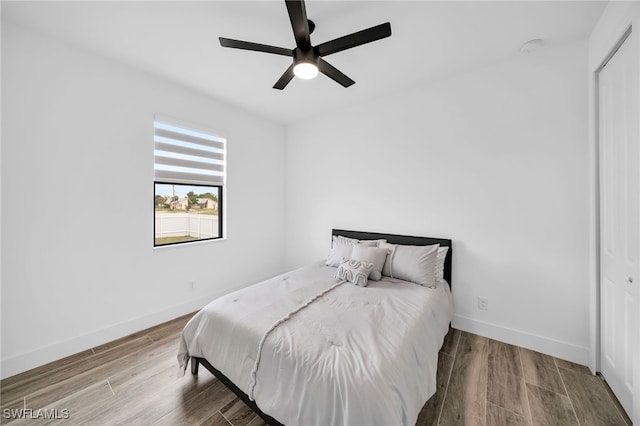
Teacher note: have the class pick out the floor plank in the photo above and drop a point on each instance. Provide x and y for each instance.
(505, 380)
(507, 391)
(218, 420)
(238, 413)
(540, 370)
(504, 358)
(549, 408)
(47, 386)
(590, 399)
(99, 373)
(163, 401)
(127, 399)
(100, 391)
(257, 421)
(131, 386)
(202, 407)
(500, 416)
(159, 367)
(572, 366)
(465, 401)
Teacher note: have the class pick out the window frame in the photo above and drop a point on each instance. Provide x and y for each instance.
(220, 213)
(220, 186)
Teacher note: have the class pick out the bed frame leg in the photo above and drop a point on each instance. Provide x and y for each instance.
(194, 365)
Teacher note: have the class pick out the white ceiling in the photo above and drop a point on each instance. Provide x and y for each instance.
(431, 40)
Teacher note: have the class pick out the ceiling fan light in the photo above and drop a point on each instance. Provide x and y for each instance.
(305, 70)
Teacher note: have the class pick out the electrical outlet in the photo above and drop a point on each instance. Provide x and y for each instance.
(192, 285)
(483, 303)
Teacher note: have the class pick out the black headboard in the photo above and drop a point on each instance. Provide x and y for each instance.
(406, 240)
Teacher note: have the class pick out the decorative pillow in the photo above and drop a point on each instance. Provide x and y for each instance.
(354, 271)
(411, 263)
(342, 247)
(375, 255)
(440, 257)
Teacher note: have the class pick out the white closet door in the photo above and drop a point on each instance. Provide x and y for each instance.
(619, 221)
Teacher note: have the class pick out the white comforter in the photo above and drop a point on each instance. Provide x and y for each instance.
(354, 356)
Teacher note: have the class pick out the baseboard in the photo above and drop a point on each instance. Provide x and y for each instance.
(46, 354)
(545, 345)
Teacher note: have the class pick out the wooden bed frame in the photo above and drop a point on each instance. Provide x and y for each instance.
(392, 239)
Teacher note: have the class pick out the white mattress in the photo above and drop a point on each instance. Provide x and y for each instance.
(354, 356)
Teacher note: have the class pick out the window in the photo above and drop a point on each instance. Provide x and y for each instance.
(188, 185)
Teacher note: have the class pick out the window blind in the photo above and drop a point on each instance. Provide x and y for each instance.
(184, 155)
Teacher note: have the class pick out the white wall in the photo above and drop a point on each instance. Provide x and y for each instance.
(497, 160)
(614, 22)
(78, 264)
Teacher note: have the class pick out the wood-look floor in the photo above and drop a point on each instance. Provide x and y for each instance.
(135, 380)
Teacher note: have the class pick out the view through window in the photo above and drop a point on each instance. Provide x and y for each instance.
(186, 213)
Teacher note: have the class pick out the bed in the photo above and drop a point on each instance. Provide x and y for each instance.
(307, 348)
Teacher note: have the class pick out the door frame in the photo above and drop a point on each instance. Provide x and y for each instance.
(619, 23)
(625, 38)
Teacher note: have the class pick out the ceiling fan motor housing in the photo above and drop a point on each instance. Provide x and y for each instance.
(307, 55)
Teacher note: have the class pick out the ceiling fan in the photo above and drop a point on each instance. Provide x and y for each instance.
(307, 59)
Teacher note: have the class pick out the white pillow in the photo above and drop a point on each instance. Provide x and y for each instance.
(375, 255)
(369, 243)
(440, 257)
(342, 247)
(354, 271)
(411, 263)
(344, 239)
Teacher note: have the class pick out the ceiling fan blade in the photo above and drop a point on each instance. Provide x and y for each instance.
(355, 39)
(247, 45)
(334, 73)
(299, 23)
(284, 79)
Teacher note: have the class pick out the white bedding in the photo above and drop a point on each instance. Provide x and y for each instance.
(354, 356)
